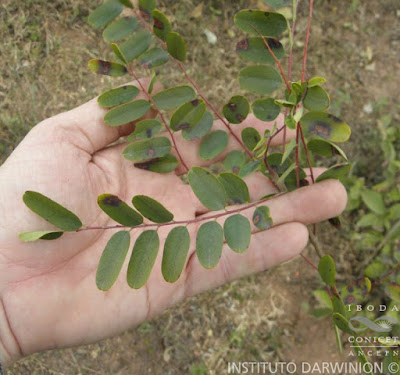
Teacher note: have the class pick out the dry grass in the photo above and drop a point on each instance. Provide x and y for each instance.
(45, 49)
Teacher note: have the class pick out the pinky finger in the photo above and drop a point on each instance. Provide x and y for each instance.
(267, 249)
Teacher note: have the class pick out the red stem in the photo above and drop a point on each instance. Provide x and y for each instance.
(290, 63)
(303, 74)
(309, 262)
(162, 118)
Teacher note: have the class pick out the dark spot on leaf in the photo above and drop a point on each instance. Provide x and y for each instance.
(335, 151)
(266, 14)
(183, 126)
(235, 201)
(243, 45)
(335, 167)
(124, 87)
(304, 182)
(240, 117)
(104, 67)
(334, 118)
(121, 102)
(349, 300)
(235, 169)
(146, 64)
(195, 102)
(350, 289)
(257, 219)
(150, 152)
(145, 14)
(321, 129)
(232, 107)
(145, 166)
(149, 133)
(158, 24)
(112, 200)
(273, 43)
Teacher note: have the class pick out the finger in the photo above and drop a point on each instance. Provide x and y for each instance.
(189, 150)
(307, 205)
(267, 249)
(84, 126)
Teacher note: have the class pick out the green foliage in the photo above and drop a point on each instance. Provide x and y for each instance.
(136, 45)
(262, 218)
(254, 50)
(213, 144)
(107, 68)
(51, 211)
(199, 130)
(39, 235)
(174, 97)
(327, 270)
(250, 137)
(162, 26)
(151, 209)
(188, 115)
(236, 189)
(145, 129)
(176, 46)
(267, 23)
(209, 242)
(262, 80)
(154, 58)
(120, 29)
(316, 99)
(126, 113)
(165, 164)
(117, 96)
(237, 233)
(119, 211)
(266, 109)
(237, 109)
(112, 259)
(105, 13)
(335, 172)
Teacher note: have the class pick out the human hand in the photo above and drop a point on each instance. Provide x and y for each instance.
(48, 293)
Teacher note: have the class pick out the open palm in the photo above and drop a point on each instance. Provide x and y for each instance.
(47, 289)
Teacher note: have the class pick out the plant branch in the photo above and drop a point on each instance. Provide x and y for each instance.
(131, 72)
(303, 74)
(293, 31)
(182, 222)
(196, 87)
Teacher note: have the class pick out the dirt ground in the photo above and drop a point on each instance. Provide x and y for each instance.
(355, 44)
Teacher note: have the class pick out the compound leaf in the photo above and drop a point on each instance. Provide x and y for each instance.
(107, 68)
(105, 13)
(51, 211)
(237, 232)
(209, 242)
(112, 259)
(207, 188)
(162, 26)
(119, 29)
(126, 113)
(255, 50)
(237, 109)
(151, 209)
(40, 235)
(262, 218)
(165, 164)
(236, 189)
(119, 211)
(213, 144)
(326, 126)
(176, 249)
(135, 46)
(118, 96)
(147, 149)
(188, 115)
(266, 23)
(143, 257)
(327, 270)
(174, 97)
(261, 79)
(176, 46)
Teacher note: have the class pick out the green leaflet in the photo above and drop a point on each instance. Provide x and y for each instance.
(327, 270)
(325, 148)
(316, 81)
(266, 23)
(236, 189)
(166, 164)
(261, 218)
(209, 242)
(119, 29)
(261, 79)
(317, 99)
(126, 113)
(234, 161)
(136, 45)
(188, 115)
(39, 235)
(107, 68)
(255, 50)
(105, 13)
(118, 53)
(237, 232)
(146, 8)
(342, 323)
(374, 201)
(335, 172)
(200, 129)
(237, 109)
(249, 168)
(266, 109)
(147, 149)
(174, 97)
(326, 126)
(278, 3)
(112, 259)
(250, 137)
(126, 3)
(213, 144)
(207, 188)
(176, 46)
(119, 211)
(162, 26)
(154, 58)
(176, 249)
(145, 129)
(143, 257)
(151, 209)
(118, 96)
(51, 211)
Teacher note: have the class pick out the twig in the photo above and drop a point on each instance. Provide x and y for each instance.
(290, 63)
(303, 74)
(131, 72)
(314, 241)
